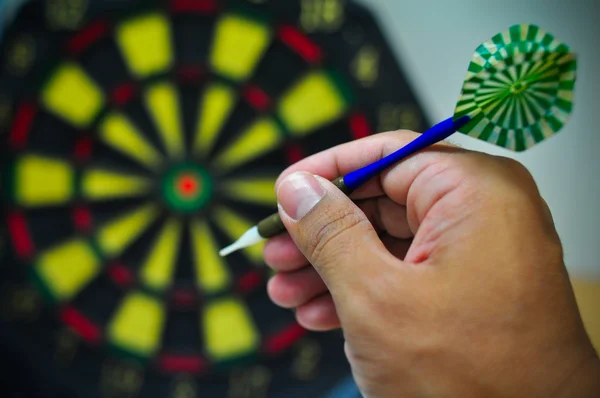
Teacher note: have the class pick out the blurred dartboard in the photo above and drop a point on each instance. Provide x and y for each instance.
(139, 138)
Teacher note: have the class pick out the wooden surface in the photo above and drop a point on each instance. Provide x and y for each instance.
(587, 294)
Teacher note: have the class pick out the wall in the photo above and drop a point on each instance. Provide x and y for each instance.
(434, 41)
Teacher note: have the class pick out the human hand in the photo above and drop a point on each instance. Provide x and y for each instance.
(446, 274)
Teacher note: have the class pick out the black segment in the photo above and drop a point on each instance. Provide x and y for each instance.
(278, 70)
(50, 226)
(104, 63)
(182, 334)
(99, 301)
(199, 29)
(51, 135)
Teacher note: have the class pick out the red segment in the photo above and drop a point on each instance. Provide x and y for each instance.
(121, 275)
(359, 126)
(249, 281)
(83, 148)
(85, 328)
(123, 94)
(87, 37)
(204, 6)
(82, 218)
(190, 73)
(257, 98)
(284, 339)
(17, 225)
(183, 298)
(301, 44)
(181, 363)
(22, 125)
(294, 153)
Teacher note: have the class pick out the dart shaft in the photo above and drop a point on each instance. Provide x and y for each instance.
(273, 225)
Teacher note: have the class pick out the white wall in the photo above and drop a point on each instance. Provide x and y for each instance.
(434, 40)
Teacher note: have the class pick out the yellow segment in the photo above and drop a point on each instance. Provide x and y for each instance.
(228, 330)
(260, 191)
(137, 326)
(238, 45)
(67, 268)
(311, 103)
(215, 106)
(158, 269)
(101, 184)
(162, 101)
(262, 136)
(42, 181)
(235, 226)
(73, 96)
(146, 44)
(212, 274)
(117, 131)
(587, 294)
(118, 234)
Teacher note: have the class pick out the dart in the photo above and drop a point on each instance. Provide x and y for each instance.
(518, 92)
(138, 139)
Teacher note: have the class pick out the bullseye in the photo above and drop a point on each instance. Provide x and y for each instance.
(188, 185)
(187, 188)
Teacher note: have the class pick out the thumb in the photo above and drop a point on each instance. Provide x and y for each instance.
(330, 230)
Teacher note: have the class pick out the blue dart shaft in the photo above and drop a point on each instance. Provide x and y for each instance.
(435, 134)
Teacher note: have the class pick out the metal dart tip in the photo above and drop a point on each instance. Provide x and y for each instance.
(251, 237)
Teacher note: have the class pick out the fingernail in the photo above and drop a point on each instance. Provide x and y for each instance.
(298, 194)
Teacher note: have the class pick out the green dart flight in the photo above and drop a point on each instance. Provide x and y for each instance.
(519, 88)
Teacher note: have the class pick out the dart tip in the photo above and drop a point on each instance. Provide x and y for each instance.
(250, 238)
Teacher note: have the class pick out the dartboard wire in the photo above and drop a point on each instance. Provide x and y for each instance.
(94, 125)
(263, 19)
(97, 261)
(246, 86)
(74, 197)
(286, 137)
(130, 291)
(136, 83)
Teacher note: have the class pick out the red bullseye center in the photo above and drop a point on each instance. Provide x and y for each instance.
(188, 185)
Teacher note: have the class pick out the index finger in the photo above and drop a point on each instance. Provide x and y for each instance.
(350, 156)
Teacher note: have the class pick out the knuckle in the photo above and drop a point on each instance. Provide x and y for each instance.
(333, 237)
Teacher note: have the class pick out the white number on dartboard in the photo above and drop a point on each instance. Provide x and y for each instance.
(184, 388)
(120, 380)
(395, 117)
(67, 343)
(21, 304)
(66, 14)
(322, 15)
(20, 56)
(253, 382)
(365, 66)
(306, 360)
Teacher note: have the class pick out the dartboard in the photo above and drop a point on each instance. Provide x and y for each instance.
(140, 137)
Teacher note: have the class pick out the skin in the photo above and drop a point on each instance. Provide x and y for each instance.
(445, 273)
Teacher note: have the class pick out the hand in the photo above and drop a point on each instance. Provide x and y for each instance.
(446, 274)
